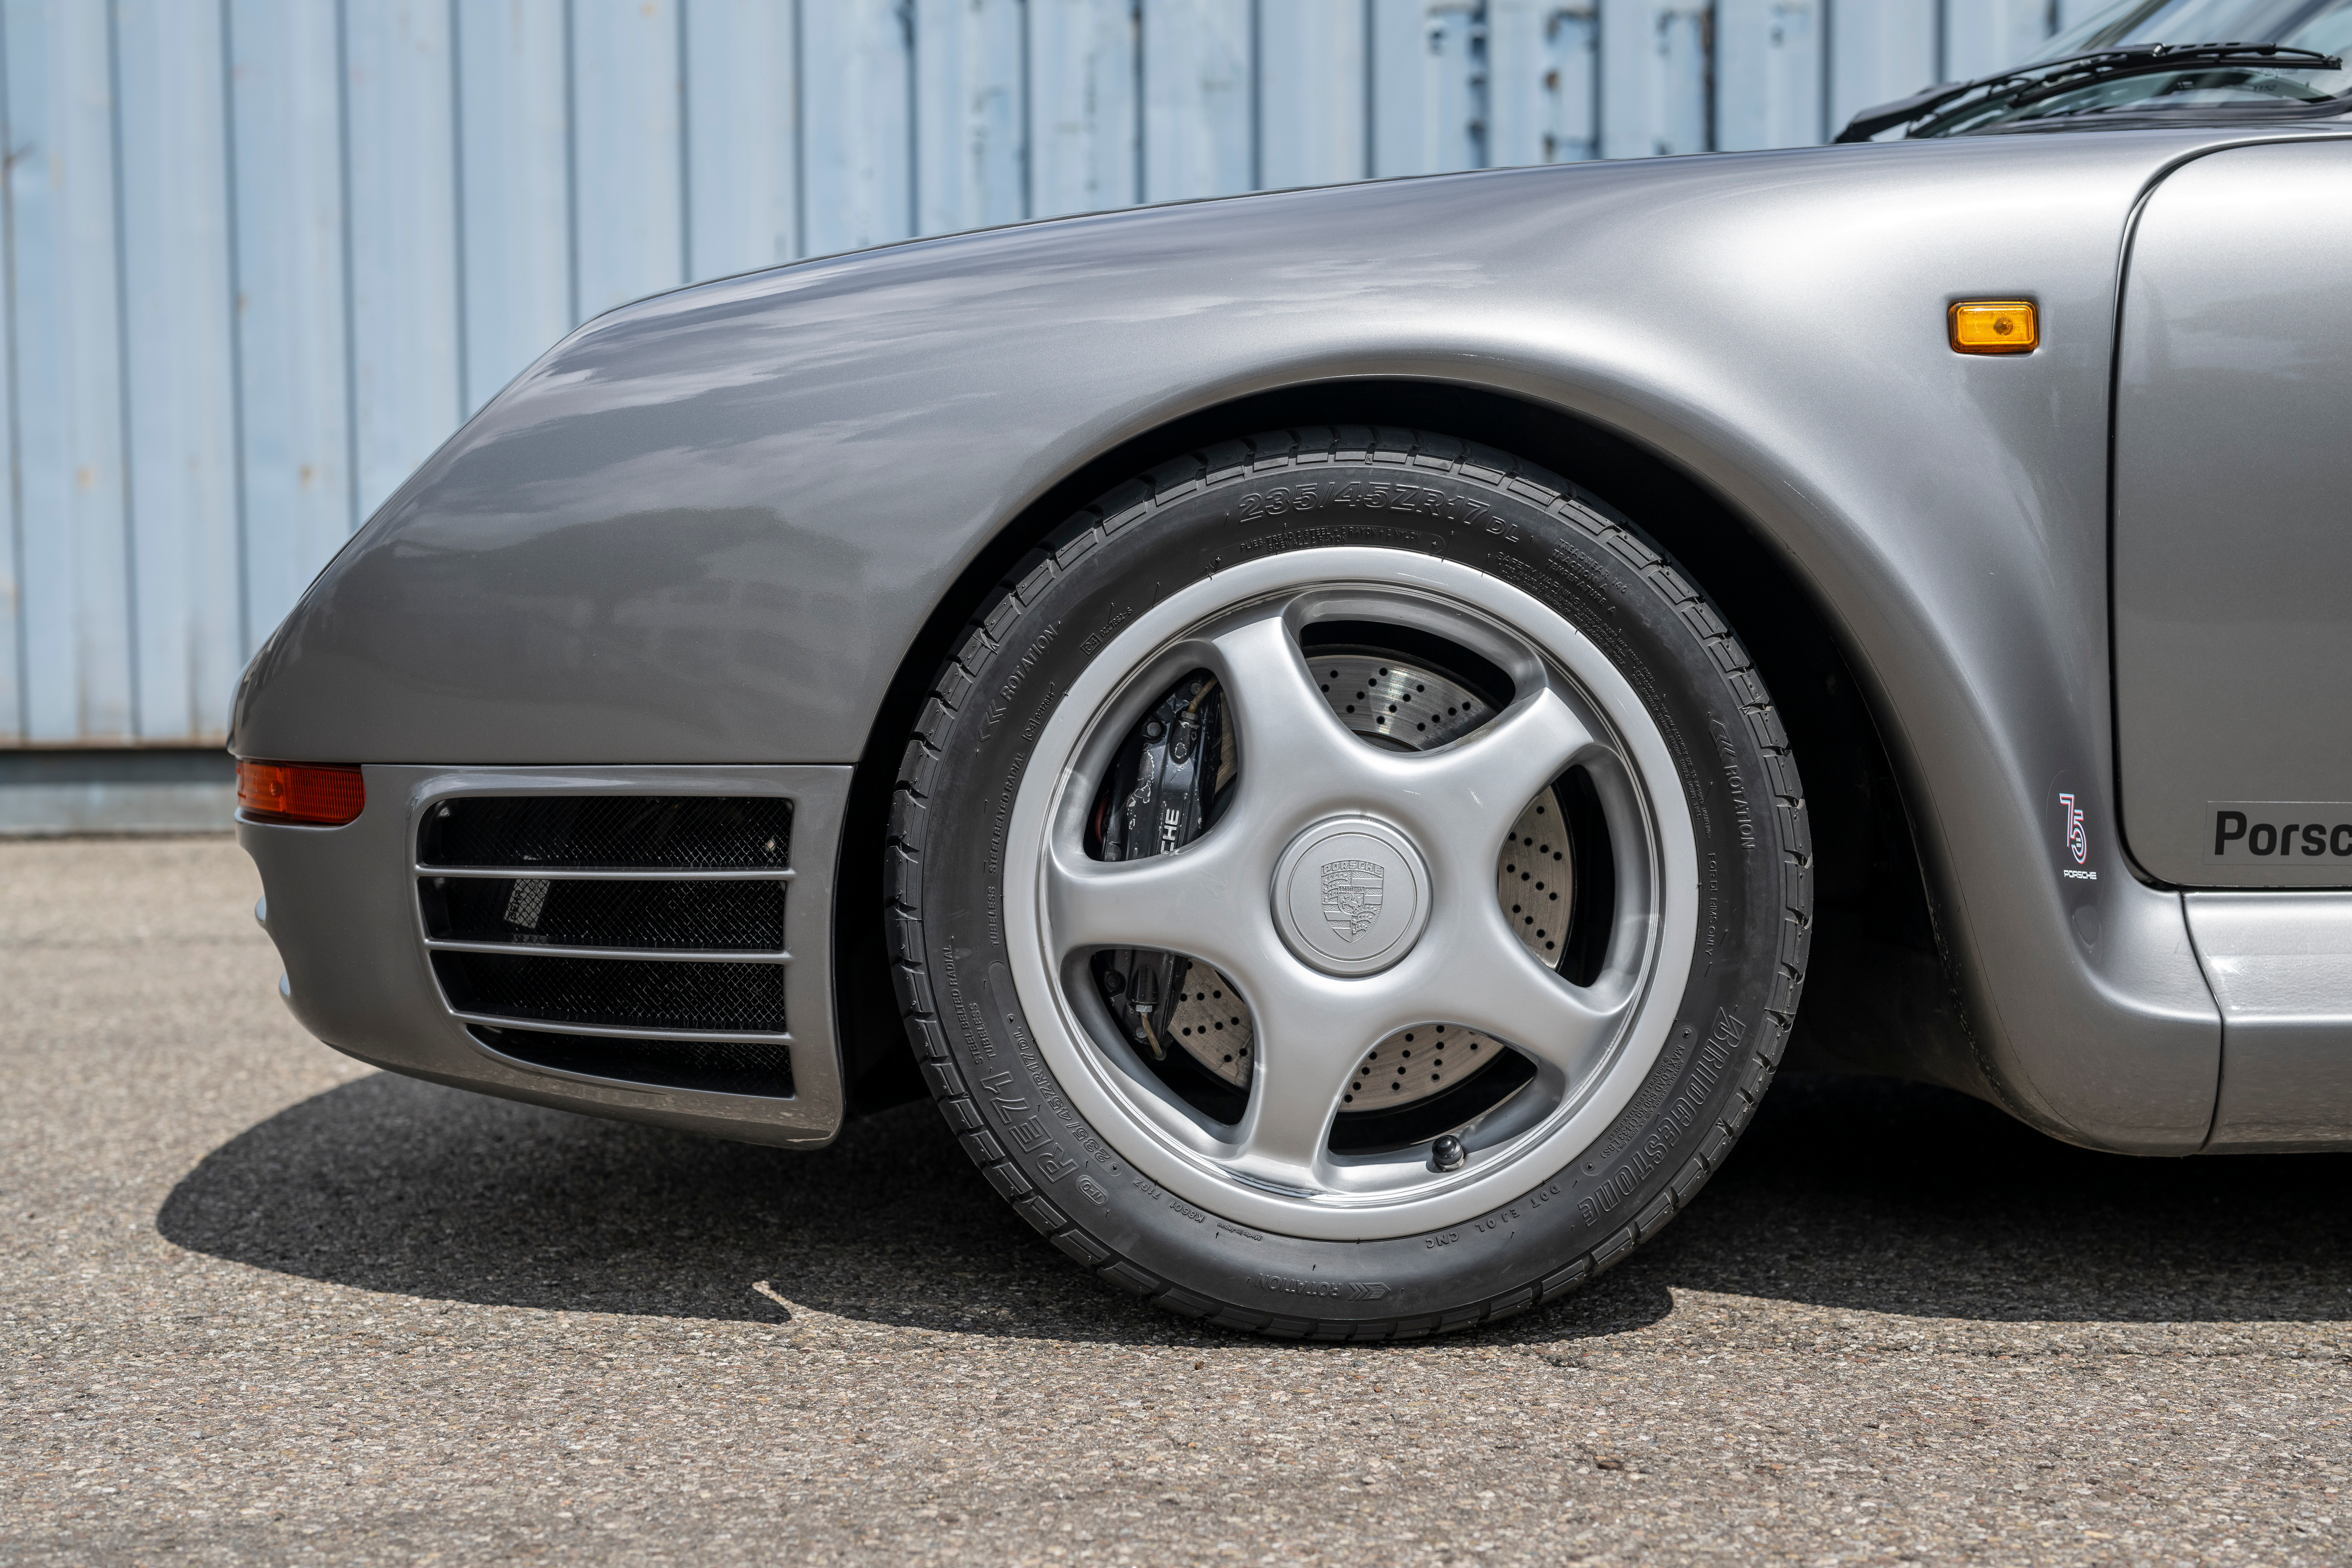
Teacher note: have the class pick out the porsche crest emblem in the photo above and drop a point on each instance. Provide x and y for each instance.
(1352, 896)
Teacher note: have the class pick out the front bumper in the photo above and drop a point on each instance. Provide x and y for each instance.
(341, 904)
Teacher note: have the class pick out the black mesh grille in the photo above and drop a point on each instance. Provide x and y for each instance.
(661, 832)
(712, 916)
(717, 1067)
(622, 993)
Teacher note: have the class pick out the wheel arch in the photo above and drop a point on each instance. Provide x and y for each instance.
(1882, 999)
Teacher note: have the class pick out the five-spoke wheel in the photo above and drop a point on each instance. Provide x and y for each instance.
(1348, 888)
(1348, 884)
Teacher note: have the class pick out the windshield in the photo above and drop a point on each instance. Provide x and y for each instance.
(2324, 27)
(2321, 25)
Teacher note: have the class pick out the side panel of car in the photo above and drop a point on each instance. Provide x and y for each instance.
(2233, 523)
(709, 526)
(2233, 622)
(2281, 964)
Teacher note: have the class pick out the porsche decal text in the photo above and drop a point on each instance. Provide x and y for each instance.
(2282, 830)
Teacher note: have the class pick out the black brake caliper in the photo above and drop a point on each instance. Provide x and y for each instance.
(1166, 786)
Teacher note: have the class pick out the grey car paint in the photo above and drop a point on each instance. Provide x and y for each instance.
(341, 906)
(2282, 968)
(706, 526)
(2233, 555)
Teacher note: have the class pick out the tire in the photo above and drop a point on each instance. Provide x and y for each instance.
(1607, 657)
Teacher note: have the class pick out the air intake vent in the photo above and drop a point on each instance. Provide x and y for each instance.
(543, 913)
(714, 1067)
(626, 993)
(614, 914)
(653, 832)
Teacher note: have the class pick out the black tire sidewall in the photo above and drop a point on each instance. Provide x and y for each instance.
(1535, 534)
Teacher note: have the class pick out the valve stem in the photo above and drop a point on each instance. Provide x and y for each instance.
(1144, 998)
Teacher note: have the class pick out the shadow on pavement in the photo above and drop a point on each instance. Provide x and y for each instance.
(1893, 1197)
(1847, 1192)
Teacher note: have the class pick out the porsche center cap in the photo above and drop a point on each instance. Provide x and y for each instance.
(1351, 896)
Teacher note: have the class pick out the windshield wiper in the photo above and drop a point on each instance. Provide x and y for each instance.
(2052, 77)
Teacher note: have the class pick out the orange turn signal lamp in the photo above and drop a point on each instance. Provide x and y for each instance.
(312, 794)
(1995, 327)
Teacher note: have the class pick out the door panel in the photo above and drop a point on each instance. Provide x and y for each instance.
(2233, 523)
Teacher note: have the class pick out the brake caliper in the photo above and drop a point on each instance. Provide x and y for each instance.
(1166, 784)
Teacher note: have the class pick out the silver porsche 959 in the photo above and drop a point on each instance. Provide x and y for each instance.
(1331, 730)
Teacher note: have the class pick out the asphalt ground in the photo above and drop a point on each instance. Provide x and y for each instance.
(262, 1302)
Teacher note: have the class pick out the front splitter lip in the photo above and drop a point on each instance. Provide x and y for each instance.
(1083, 1074)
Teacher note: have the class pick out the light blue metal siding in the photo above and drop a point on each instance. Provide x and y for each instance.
(860, 172)
(1542, 100)
(514, 210)
(293, 316)
(267, 254)
(180, 392)
(1313, 111)
(742, 137)
(1880, 52)
(1654, 59)
(1768, 83)
(628, 151)
(1085, 128)
(400, 160)
(971, 60)
(1428, 85)
(1996, 33)
(73, 533)
(12, 537)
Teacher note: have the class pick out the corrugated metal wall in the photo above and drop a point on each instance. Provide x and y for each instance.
(262, 256)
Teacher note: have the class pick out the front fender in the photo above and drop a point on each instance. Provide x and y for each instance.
(707, 527)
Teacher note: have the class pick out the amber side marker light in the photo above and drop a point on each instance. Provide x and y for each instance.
(311, 793)
(1994, 327)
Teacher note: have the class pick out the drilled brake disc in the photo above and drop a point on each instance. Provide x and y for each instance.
(1412, 709)
(1532, 881)
(1213, 1025)
(1414, 1064)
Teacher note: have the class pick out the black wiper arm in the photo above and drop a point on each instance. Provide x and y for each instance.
(2173, 58)
(1903, 110)
(2051, 76)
